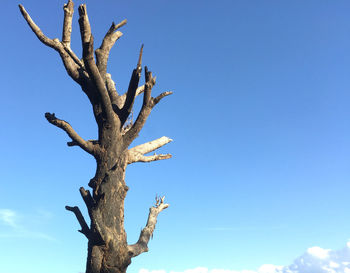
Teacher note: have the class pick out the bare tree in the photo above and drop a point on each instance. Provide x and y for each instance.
(108, 250)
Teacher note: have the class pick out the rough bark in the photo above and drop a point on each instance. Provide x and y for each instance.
(108, 250)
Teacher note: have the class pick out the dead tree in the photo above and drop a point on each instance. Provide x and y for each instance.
(108, 250)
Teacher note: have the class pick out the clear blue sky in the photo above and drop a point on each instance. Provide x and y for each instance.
(259, 117)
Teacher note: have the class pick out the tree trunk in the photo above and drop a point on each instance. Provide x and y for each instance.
(108, 251)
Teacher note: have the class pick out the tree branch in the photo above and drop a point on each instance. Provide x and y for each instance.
(88, 56)
(109, 40)
(67, 23)
(75, 58)
(147, 106)
(84, 227)
(113, 94)
(119, 100)
(74, 143)
(136, 154)
(158, 98)
(65, 126)
(142, 158)
(131, 93)
(86, 195)
(142, 243)
(70, 64)
(139, 91)
(37, 31)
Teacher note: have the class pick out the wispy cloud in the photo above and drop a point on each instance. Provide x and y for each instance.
(314, 260)
(8, 217)
(16, 229)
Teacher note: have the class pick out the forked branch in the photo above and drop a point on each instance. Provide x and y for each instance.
(65, 126)
(142, 243)
(69, 63)
(147, 106)
(137, 153)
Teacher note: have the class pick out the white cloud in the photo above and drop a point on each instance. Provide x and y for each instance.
(318, 252)
(314, 260)
(270, 268)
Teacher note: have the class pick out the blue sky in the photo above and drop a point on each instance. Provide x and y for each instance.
(260, 122)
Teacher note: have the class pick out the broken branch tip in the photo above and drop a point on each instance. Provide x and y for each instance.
(140, 58)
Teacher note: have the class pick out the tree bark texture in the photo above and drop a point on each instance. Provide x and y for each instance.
(108, 250)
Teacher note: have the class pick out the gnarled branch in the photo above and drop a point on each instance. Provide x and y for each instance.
(84, 227)
(64, 125)
(142, 243)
